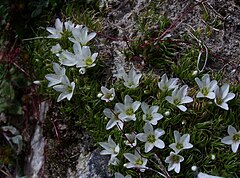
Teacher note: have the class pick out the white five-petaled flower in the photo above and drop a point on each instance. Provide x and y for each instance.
(174, 161)
(181, 142)
(111, 148)
(57, 31)
(151, 114)
(56, 49)
(135, 160)
(86, 59)
(151, 137)
(66, 88)
(131, 140)
(67, 58)
(119, 73)
(108, 95)
(119, 175)
(131, 80)
(81, 35)
(206, 87)
(57, 77)
(128, 109)
(114, 119)
(222, 96)
(179, 98)
(71, 59)
(233, 139)
(167, 85)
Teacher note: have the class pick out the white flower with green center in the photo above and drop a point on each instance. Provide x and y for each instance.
(56, 49)
(114, 119)
(179, 98)
(131, 80)
(233, 139)
(128, 109)
(86, 59)
(80, 34)
(119, 175)
(56, 32)
(151, 114)
(167, 85)
(151, 137)
(222, 96)
(135, 160)
(112, 149)
(66, 88)
(108, 95)
(206, 87)
(131, 140)
(181, 142)
(56, 78)
(174, 161)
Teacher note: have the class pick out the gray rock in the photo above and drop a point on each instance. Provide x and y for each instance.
(91, 165)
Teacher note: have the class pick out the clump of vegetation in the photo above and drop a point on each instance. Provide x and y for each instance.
(167, 119)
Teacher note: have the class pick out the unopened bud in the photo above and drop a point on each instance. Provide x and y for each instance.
(37, 82)
(194, 168)
(99, 95)
(213, 156)
(82, 71)
(167, 113)
(194, 73)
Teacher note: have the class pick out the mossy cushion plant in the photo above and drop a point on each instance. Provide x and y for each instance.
(163, 128)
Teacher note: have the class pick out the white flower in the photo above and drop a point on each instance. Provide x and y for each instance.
(57, 77)
(131, 140)
(233, 139)
(167, 85)
(181, 142)
(120, 72)
(66, 88)
(86, 58)
(174, 161)
(57, 31)
(119, 175)
(67, 58)
(56, 49)
(222, 96)
(131, 80)
(114, 119)
(206, 87)
(203, 175)
(69, 25)
(150, 113)
(179, 97)
(71, 59)
(111, 148)
(136, 160)
(81, 35)
(151, 137)
(108, 95)
(128, 109)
